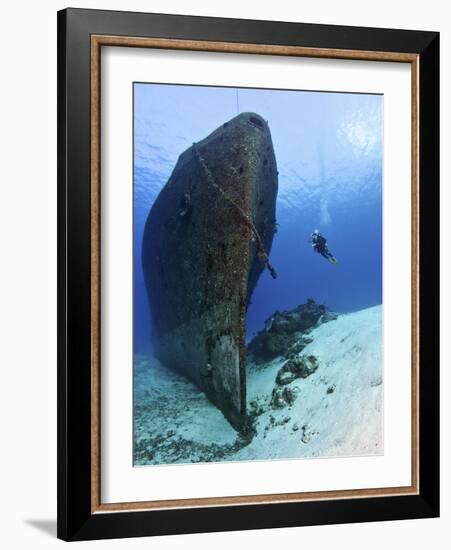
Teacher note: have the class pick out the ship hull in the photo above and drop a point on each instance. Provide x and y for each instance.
(206, 242)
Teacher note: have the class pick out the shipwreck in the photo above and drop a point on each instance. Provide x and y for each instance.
(207, 239)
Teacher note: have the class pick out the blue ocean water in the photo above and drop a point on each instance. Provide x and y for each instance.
(328, 148)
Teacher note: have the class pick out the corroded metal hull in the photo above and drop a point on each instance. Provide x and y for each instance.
(206, 242)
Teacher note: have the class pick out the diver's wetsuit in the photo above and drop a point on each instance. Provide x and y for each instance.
(319, 244)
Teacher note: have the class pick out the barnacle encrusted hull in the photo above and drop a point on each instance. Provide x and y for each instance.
(206, 242)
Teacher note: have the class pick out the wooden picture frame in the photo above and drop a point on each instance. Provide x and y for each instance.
(81, 35)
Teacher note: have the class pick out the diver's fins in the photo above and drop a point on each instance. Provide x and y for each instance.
(333, 261)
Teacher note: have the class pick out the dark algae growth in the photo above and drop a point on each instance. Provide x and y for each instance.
(206, 242)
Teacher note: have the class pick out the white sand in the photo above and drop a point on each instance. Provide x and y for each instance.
(337, 410)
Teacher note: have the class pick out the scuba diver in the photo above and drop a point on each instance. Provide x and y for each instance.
(319, 244)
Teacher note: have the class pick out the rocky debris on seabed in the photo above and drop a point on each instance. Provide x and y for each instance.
(173, 450)
(283, 397)
(298, 367)
(283, 394)
(307, 433)
(286, 332)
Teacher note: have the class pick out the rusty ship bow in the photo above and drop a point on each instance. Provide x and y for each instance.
(206, 242)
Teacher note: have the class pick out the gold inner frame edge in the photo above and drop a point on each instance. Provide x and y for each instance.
(97, 41)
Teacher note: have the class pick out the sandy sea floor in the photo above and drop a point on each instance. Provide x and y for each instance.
(336, 411)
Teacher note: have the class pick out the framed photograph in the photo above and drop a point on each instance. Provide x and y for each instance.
(248, 274)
